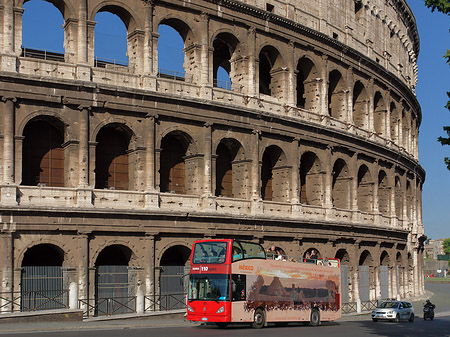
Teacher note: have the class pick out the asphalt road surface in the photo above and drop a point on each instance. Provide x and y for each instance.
(440, 326)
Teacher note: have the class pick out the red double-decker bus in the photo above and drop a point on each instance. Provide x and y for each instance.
(233, 281)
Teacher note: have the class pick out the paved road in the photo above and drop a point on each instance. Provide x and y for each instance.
(360, 325)
(438, 327)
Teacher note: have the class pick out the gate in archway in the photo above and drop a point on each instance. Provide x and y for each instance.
(384, 281)
(43, 288)
(173, 287)
(114, 290)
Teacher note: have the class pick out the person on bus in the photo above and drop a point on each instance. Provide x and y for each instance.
(313, 254)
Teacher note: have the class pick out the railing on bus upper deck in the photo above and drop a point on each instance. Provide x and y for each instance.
(330, 262)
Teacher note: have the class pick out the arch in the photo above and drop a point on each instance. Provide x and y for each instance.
(269, 60)
(65, 7)
(365, 259)
(43, 254)
(111, 157)
(174, 149)
(177, 255)
(385, 260)
(274, 175)
(343, 257)
(360, 105)
(42, 28)
(365, 189)
(43, 159)
(379, 114)
(341, 187)
(224, 46)
(336, 95)
(230, 170)
(170, 51)
(122, 10)
(307, 85)
(114, 255)
(311, 180)
(384, 195)
(398, 191)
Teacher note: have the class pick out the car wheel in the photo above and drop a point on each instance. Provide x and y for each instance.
(315, 318)
(259, 319)
(411, 318)
(374, 320)
(397, 318)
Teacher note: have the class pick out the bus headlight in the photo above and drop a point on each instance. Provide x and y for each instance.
(190, 308)
(221, 309)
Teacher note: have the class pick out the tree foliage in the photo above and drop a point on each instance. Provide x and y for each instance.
(443, 6)
(446, 246)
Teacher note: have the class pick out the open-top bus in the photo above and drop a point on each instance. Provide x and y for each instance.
(233, 281)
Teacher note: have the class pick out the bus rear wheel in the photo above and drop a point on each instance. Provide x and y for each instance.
(259, 319)
(315, 318)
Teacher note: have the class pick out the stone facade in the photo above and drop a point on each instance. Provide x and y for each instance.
(315, 145)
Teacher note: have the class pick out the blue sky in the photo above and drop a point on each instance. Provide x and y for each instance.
(42, 29)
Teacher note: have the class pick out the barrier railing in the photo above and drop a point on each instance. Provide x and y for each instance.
(34, 300)
(108, 306)
(165, 302)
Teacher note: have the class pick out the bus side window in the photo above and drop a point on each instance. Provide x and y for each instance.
(238, 287)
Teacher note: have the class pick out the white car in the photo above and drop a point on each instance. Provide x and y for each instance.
(393, 311)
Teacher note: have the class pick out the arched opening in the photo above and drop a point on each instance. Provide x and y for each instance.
(394, 122)
(42, 153)
(398, 198)
(111, 158)
(42, 280)
(365, 189)
(42, 31)
(346, 272)
(170, 49)
(385, 278)
(172, 163)
(224, 46)
(267, 60)
(174, 269)
(341, 185)
(360, 105)
(307, 85)
(383, 193)
(366, 276)
(274, 175)
(114, 281)
(379, 111)
(230, 176)
(312, 254)
(336, 95)
(400, 270)
(311, 184)
(110, 34)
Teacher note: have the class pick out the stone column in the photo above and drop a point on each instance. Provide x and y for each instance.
(328, 202)
(8, 58)
(83, 269)
(291, 87)
(151, 195)
(83, 71)
(207, 193)
(370, 120)
(7, 267)
(84, 192)
(8, 140)
(253, 86)
(149, 265)
(150, 70)
(350, 82)
(324, 88)
(8, 189)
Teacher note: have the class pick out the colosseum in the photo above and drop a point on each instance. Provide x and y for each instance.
(109, 172)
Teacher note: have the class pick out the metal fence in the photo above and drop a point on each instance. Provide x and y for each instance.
(43, 288)
(165, 302)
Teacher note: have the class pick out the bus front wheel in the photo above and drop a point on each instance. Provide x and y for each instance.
(221, 325)
(315, 318)
(259, 319)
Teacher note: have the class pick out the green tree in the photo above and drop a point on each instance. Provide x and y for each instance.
(446, 246)
(443, 6)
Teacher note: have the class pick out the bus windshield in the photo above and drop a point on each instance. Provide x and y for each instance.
(209, 252)
(209, 287)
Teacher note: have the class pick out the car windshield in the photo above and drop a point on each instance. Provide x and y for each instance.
(388, 305)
